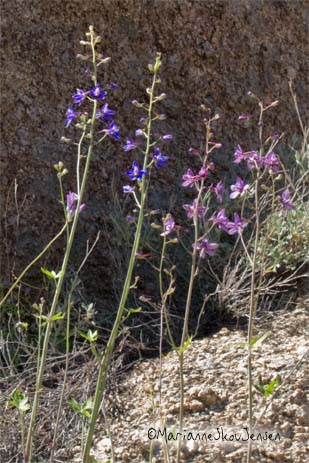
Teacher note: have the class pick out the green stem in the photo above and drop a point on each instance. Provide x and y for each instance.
(103, 369)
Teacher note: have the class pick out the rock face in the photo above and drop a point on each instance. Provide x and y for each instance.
(213, 52)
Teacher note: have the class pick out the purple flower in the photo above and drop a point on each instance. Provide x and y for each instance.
(286, 199)
(113, 86)
(254, 160)
(203, 172)
(139, 132)
(206, 248)
(71, 203)
(105, 114)
(130, 145)
(237, 226)
(189, 179)
(271, 161)
(167, 137)
(97, 93)
(219, 190)
(245, 117)
(79, 96)
(239, 155)
(127, 189)
(70, 115)
(192, 209)
(159, 159)
(169, 225)
(136, 173)
(221, 220)
(113, 130)
(239, 189)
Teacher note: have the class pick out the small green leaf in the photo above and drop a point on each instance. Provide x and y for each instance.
(57, 316)
(186, 345)
(90, 336)
(130, 311)
(257, 341)
(49, 274)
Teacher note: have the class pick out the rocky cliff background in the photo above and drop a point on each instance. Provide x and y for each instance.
(213, 52)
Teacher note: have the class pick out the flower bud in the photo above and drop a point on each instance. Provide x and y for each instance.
(65, 140)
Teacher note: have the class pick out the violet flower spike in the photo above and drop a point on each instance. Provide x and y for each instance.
(286, 200)
(237, 226)
(191, 210)
(239, 189)
(206, 248)
(136, 173)
(130, 145)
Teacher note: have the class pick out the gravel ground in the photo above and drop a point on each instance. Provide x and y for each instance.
(215, 384)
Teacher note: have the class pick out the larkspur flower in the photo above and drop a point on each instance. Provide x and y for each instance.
(130, 145)
(206, 248)
(203, 172)
(136, 173)
(239, 155)
(254, 160)
(245, 117)
(127, 189)
(113, 130)
(271, 161)
(70, 115)
(168, 224)
(71, 203)
(97, 93)
(239, 188)
(159, 159)
(113, 86)
(237, 226)
(139, 132)
(286, 199)
(79, 96)
(167, 137)
(192, 209)
(189, 179)
(219, 190)
(105, 114)
(221, 220)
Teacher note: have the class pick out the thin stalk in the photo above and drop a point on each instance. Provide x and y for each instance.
(103, 369)
(253, 296)
(40, 373)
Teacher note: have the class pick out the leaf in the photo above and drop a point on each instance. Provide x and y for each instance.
(257, 341)
(186, 345)
(57, 316)
(49, 274)
(130, 311)
(90, 336)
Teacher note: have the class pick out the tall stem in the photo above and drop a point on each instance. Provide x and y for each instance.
(103, 369)
(40, 373)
